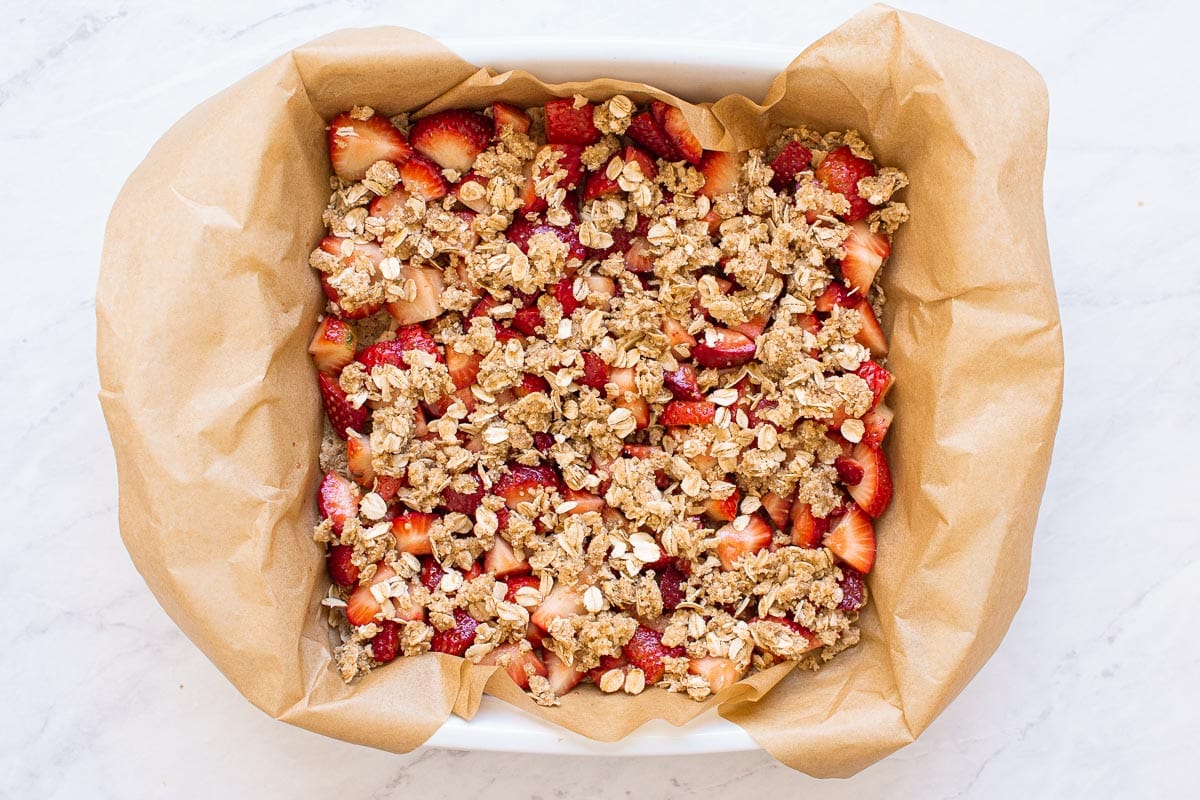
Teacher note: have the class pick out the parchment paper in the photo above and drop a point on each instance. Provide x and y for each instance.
(206, 304)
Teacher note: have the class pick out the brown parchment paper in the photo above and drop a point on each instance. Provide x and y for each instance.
(205, 306)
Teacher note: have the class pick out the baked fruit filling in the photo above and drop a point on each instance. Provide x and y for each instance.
(603, 406)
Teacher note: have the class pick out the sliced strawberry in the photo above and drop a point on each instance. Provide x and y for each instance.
(332, 345)
(562, 676)
(452, 138)
(385, 204)
(793, 159)
(440, 408)
(688, 412)
(358, 459)
(478, 204)
(521, 482)
(585, 502)
(528, 320)
(423, 178)
(341, 414)
(722, 348)
(840, 171)
(854, 592)
(361, 606)
(778, 508)
(878, 378)
(342, 570)
(501, 560)
(874, 492)
(676, 333)
(807, 530)
(636, 406)
(356, 144)
(725, 509)
(348, 251)
(683, 383)
(456, 640)
(595, 371)
(607, 663)
(425, 305)
(675, 126)
(505, 114)
(753, 328)
(599, 185)
(567, 124)
(391, 351)
(732, 544)
(721, 673)
(385, 645)
(853, 539)
(531, 202)
(835, 294)
(877, 421)
(849, 471)
(411, 530)
(463, 502)
(431, 573)
(644, 160)
(570, 160)
(646, 131)
(386, 486)
(672, 584)
(864, 255)
(646, 651)
(358, 312)
(521, 230)
(517, 582)
(519, 665)
(561, 602)
(754, 415)
(638, 257)
(871, 334)
(463, 367)
(720, 171)
(564, 293)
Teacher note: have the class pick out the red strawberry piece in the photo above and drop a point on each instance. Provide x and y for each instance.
(332, 345)
(753, 328)
(531, 203)
(531, 384)
(385, 204)
(505, 114)
(463, 502)
(675, 126)
(542, 442)
(638, 257)
(463, 367)
(474, 572)
(564, 293)
(385, 645)
(425, 304)
(501, 560)
(519, 664)
(505, 334)
(411, 530)
(644, 160)
(646, 652)
(874, 492)
(720, 171)
(423, 178)
(456, 640)
(878, 378)
(348, 251)
(361, 606)
(688, 412)
(595, 371)
(562, 676)
(599, 185)
(864, 254)
(722, 348)
(871, 334)
(356, 144)
(478, 204)
(431, 573)
(793, 159)
(676, 333)
(342, 570)
(778, 508)
(638, 407)
(723, 509)
(358, 312)
(570, 160)
(408, 338)
(521, 230)
(840, 171)
(854, 593)
(483, 308)
(521, 482)
(732, 543)
(720, 672)
(386, 486)
(607, 663)
(452, 138)
(341, 414)
(849, 471)
(683, 383)
(566, 124)
(528, 320)
(755, 415)
(853, 539)
(517, 582)
(807, 530)
(584, 501)
(835, 294)
(672, 584)
(646, 131)
(561, 602)
(358, 459)
(877, 422)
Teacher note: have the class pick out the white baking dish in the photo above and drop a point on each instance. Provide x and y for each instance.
(697, 71)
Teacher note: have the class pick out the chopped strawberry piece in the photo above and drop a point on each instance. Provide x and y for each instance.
(644, 160)
(854, 591)
(599, 185)
(358, 459)
(646, 651)
(385, 645)
(638, 257)
(386, 486)
(723, 348)
(425, 305)
(463, 367)
(688, 412)
(562, 676)
(600, 290)
(342, 570)
(456, 640)
(463, 502)
(570, 160)
(595, 371)
(411, 530)
(840, 171)
(807, 530)
(607, 663)
(505, 114)
(564, 293)
(356, 144)
(724, 509)
(778, 508)
(408, 338)
(732, 543)
(877, 422)
(878, 378)
(864, 255)
(385, 204)
(683, 383)
(793, 159)
(849, 471)
(853, 539)
(361, 606)
(501, 560)
(675, 126)
(753, 328)
(871, 334)
(332, 345)
(721, 673)
(672, 584)
(521, 482)
(561, 602)
(528, 320)
(874, 492)
(638, 407)
(567, 124)
(531, 202)
(431, 573)
(517, 582)
(473, 200)
(585, 502)
(646, 131)
(483, 308)
(531, 384)
(423, 178)
(676, 333)
(519, 664)
(521, 230)
(342, 415)
(358, 312)
(755, 415)
(720, 171)
(452, 138)
(835, 294)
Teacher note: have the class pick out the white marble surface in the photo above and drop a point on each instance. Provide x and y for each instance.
(1092, 693)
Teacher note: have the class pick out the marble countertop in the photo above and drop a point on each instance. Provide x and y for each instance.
(1092, 692)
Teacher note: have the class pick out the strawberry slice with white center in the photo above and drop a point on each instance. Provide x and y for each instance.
(720, 171)
(741, 537)
(688, 412)
(508, 115)
(877, 422)
(562, 601)
(337, 500)
(562, 676)
(411, 530)
(566, 124)
(778, 508)
(724, 509)
(835, 294)
(807, 530)
(358, 459)
(332, 345)
(501, 560)
(676, 333)
(753, 328)
(585, 502)
(463, 367)
(878, 378)
(721, 673)
(722, 348)
(342, 415)
(864, 255)
(874, 492)
(425, 304)
(638, 257)
(361, 605)
(423, 177)
(675, 126)
(522, 482)
(871, 334)
(356, 144)
(519, 664)
(383, 205)
(853, 539)
(453, 138)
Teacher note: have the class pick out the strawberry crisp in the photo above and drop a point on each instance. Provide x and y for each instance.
(603, 406)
